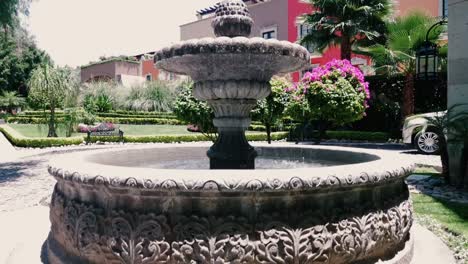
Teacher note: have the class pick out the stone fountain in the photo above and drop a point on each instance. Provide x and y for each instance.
(155, 204)
(231, 72)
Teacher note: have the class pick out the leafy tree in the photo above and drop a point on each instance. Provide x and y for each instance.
(48, 86)
(347, 23)
(11, 100)
(74, 82)
(194, 111)
(334, 94)
(19, 56)
(398, 54)
(271, 109)
(9, 62)
(8, 12)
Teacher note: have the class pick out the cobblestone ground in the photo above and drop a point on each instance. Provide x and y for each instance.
(25, 182)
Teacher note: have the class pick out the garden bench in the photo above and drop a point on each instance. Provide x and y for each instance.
(104, 131)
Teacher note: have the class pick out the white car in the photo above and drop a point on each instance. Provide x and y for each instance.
(418, 133)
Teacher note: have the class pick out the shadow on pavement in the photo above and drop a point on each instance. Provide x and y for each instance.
(10, 171)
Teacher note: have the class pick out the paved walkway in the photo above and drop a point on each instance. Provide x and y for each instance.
(7, 151)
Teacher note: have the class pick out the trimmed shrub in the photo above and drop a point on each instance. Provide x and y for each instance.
(32, 120)
(115, 120)
(310, 134)
(181, 138)
(138, 115)
(141, 121)
(20, 141)
(257, 128)
(358, 135)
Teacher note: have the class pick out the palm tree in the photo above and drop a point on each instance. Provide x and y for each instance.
(398, 55)
(347, 23)
(453, 126)
(11, 100)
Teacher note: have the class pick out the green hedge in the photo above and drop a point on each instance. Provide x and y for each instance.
(141, 121)
(129, 121)
(142, 113)
(257, 128)
(32, 120)
(358, 135)
(20, 141)
(156, 115)
(180, 138)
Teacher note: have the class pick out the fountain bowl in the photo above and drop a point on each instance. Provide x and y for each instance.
(237, 58)
(124, 206)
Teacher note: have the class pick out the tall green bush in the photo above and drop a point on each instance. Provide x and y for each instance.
(11, 100)
(270, 110)
(156, 96)
(194, 111)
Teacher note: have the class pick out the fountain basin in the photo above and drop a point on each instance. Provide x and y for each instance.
(106, 210)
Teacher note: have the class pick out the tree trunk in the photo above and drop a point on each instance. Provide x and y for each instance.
(408, 96)
(268, 131)
(345, 48)
(464, 165)
(52, 132)
(444, 158)
(322, 128)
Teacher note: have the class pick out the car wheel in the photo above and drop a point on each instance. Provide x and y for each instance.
(427, 142)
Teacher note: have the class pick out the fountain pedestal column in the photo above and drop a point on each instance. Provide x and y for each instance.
(232, 150)
(232, 102)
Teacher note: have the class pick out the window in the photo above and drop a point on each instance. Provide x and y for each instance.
(444, 8)
(149, 77)
(304, 30)
(269, 34)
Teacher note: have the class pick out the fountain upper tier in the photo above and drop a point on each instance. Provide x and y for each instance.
(236, 58)
(232, 56)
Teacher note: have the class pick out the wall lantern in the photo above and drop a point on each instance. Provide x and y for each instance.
(427, 57)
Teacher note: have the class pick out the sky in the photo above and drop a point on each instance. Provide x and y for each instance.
(75, 32)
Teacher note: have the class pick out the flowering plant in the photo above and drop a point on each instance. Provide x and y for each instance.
(335, 93)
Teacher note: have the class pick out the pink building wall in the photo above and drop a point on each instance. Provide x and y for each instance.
(272, 13)
(109, 69)
(430, 7)
(297, 8)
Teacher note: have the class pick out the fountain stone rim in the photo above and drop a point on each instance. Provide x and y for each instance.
(82, 171)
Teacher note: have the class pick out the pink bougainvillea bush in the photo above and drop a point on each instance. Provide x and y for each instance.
(335, 93)
(106, 126)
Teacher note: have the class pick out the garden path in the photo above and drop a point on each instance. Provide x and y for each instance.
(7, 151)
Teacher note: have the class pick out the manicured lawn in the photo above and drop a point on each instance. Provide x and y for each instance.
(29, 130)
(146, 130)
(454, 216)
